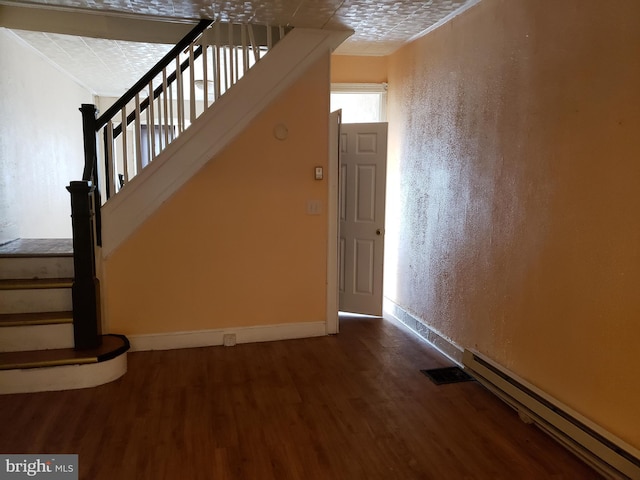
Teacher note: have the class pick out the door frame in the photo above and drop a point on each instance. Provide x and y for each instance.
(333, 219)
(332, 322)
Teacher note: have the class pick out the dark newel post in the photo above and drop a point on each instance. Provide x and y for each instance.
(87, 325)
(90, 172)
(89, 113)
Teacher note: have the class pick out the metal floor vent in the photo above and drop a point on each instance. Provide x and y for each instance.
(442, 376)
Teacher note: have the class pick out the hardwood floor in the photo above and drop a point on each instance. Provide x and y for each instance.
(351, 406)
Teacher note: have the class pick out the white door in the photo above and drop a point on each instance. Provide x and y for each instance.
(363, 161)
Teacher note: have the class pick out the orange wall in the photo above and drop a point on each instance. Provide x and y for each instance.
(235, 247)
(515, 164)
(352, 69)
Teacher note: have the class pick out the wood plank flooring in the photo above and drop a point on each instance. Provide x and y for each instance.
(351, 406)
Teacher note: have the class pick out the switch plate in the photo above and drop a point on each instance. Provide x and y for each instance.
(319, 173)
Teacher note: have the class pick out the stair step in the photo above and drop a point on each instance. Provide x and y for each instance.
(36, 267)
(36, 300)
(35, 283)
(63, 369)
(36, 318)
(35, 295)
(37, 247)
(36, 337)
(36, 331)
(112, 346)
(36, 258)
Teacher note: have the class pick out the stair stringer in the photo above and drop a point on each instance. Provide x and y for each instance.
(213, 131)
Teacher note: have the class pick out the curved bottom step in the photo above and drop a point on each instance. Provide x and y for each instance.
(63, 369)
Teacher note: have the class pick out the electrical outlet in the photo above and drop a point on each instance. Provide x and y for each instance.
(229, 339)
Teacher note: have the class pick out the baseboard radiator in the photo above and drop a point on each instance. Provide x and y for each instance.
(611, 456)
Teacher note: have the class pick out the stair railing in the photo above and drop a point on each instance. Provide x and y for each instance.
(200, 68)
(169, 98)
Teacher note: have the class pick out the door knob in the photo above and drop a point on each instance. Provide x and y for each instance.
(378, 232)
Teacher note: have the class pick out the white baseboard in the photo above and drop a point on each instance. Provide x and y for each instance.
(417, 326)
(607, 453)
(68, 377)
(209, 338)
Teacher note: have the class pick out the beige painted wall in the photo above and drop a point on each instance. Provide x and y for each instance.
(41, 147)
(514, 161)
(235, 246)
(353, 69)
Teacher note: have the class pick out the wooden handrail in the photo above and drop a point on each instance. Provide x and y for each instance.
(117, 130)
(151, 74)
(154, 100)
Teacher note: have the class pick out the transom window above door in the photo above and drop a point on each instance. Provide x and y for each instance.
(360, 102)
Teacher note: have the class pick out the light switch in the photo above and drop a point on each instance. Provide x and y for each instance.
(319, 173)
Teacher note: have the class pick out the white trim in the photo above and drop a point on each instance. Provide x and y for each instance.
(36, 337)
(597, 446)
(365, 88)
(333, 224)
(438, 341)
(210, 338)
(359, 87)
(214, 130)
(67, 377)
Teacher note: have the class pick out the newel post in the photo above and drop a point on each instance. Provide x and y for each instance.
(90, 172)
(87, 325)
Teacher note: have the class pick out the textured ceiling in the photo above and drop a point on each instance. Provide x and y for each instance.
(106, 67)
(380, 27)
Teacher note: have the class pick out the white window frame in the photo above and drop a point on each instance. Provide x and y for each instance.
(379, 88)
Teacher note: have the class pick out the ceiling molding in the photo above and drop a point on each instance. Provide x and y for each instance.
(93, 23)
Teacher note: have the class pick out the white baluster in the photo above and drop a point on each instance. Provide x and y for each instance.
(245, 52)
(269, 38)
(172, 130)
(254, 46)
(138, 136)
(232, 77)
(205, 75)
(123, 133)
(216, 77)
(180, 96)
(151, 122)
(149, 138)
(111, 162)
(165, 123)
(192, 86)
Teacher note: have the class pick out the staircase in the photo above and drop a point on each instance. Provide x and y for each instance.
(50, 326)
(36, 323)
